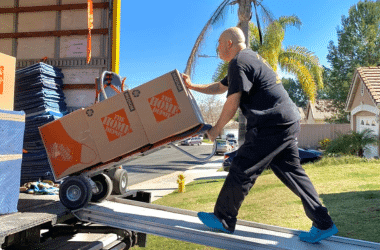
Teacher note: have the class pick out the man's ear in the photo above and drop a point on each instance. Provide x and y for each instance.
(229, 43)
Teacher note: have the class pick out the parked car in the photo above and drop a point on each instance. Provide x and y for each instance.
(230, 136)
(309, 155)
(192, 141)
(222, 146)
(233, 143)
(306, 155)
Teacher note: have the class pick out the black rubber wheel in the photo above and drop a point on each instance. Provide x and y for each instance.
(104, 184)
(120, 181)
(75, 192)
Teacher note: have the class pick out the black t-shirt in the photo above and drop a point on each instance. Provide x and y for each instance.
(264, 101)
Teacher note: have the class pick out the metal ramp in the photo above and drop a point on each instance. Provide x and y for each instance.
(184, 225)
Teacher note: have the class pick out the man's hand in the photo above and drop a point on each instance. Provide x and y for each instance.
(187, 81)
(213, 133)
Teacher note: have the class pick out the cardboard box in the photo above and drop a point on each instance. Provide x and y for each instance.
(166, 107)
(69, 144)
(7, 81)
(96, 134)
(116, 127)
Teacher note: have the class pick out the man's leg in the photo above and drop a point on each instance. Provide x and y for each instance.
(288, 169)
(235, 188)
(251, 160)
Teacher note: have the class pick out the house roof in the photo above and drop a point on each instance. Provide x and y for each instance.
(302, 113)
(370, 76)
(321, 109)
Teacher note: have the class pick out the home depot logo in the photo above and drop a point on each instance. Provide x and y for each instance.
(59, 150)
(1, 79)
(164, 105)
(116, 125)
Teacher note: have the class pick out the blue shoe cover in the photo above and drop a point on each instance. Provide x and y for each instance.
(210, 220)
(316, 235)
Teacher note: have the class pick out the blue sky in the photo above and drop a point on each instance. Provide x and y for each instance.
(157, 36)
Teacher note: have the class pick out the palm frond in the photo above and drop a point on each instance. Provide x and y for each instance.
(301, 54)
(254, 37)
(265, 14)
(308, 59)
(303, 74)
(216, 17)
(271, 47)
(293, 20)
(220, 72)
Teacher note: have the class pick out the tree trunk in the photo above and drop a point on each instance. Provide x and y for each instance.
(245, 14)
(361, 153)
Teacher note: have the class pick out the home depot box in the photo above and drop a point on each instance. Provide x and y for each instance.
(96, 134)
(7, 81)
(166, 107)
(116, 127)
(69, 144)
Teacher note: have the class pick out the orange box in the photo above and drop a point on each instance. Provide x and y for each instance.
(69, 144)
(166, 107)
(92, 135)
(7, 81)
(116, 127)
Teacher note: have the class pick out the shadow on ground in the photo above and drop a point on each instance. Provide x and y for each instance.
(356, 214)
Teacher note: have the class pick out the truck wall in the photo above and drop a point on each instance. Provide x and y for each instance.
(55, 31)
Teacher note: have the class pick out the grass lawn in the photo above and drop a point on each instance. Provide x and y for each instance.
(207, 141)
(349, 187)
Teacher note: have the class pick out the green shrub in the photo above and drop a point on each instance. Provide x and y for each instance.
(353, 143)
(324, 143)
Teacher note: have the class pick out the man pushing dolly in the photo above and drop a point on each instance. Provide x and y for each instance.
(272, 126)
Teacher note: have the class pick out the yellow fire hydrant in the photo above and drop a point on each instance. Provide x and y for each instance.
(181, 183)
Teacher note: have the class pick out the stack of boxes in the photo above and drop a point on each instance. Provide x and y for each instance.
(12, 124)
(125, 123)
(39, 94)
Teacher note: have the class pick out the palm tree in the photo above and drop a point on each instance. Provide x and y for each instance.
(354, 143)
(245, 15)
(294, 59)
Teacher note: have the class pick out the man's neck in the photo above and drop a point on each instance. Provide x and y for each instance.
(237, 50)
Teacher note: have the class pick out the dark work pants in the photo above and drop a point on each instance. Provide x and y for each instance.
(276, 147)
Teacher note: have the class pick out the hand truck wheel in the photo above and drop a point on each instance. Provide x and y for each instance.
(75, 192)
(104, 185)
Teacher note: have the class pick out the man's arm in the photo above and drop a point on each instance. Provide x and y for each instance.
(211, 89)
(229, 109)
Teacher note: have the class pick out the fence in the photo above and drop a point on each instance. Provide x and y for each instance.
(311, 134)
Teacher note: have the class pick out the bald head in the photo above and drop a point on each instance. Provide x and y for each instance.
(231, 41)
(234, 34)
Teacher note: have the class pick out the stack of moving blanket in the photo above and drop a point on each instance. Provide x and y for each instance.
(39, 94)
(12, 125)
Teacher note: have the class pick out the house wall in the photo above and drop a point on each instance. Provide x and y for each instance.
(359, 99)
(310, 119)
(311, 134)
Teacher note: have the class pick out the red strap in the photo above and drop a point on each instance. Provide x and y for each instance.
(122, 83)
